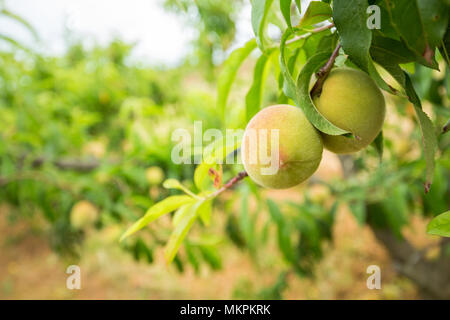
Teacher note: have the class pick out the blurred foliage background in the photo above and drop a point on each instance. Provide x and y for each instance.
(85, 144)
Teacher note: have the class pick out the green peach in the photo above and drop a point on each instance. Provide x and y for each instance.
(351, 100)
(282, 134)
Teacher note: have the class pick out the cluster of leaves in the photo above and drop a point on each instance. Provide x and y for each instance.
(192, 206)
(87, 126)
(114, 119)
(5, 13)
(389, 47)
(409, 32)
(305, 48)
(392, 193)
(215, 23)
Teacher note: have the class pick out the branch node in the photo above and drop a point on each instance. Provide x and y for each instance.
(322, 74)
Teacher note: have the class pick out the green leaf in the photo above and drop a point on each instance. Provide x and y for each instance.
(304, 98)
(172, 184)
(175, 184)
(350, 19)
(180, 213)
(299, 6)
(356, 198)
(254, 96)
(285, 7)
(192, 257)
(395, 208)
(386, 28)
(389, 50)
(245, 222)
(210, 240)
(14, 43)
(180, 231)
(214, 153)
(309, 227)
(378, 145)
(234, 232)
(218, 151)
(358, 210)
(373, 72)
(20, 20)
(435, 201)
(418, 26)
(141, 251)
(260, 9)
(300, 93)
(316, 12)
(292, 64)
(205, 211)
(275, 212)
(434, 14)
(440, 225)
(445, 46)
(201, 176)
(295, 55)
(312, 42)
(429, 139)
(405, 18)
(289, 84)
(178, 263)
(165, 206)
(328, 43)
(408, 67)
(211, 256)
(394, 69)
(229, 71)
(283, 232)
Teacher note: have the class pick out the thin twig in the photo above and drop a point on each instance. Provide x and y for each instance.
(75, 164)
(323, 28)
(38, 177)
(446, 57)
(241, 175)
(446, 127)
(303, 36)
(324, 71)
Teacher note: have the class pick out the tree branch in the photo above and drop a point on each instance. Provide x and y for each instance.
(324, 71)
(303, 36)
(36, 176)
(446, 127)
(431, 276)
(75, 164)
(240, 176)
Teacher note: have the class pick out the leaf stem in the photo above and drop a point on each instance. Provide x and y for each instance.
(190, 193)
(447, 59)
(446, 127)
(303, 36)
(322, 74)
(240, 176)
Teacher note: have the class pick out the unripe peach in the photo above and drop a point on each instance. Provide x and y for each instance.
(280, 147)
(154, 175)
(83, 214)
(351, 100)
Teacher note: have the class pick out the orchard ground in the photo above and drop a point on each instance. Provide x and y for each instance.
(29, 269)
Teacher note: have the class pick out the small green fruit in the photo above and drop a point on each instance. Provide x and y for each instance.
(154, 175)
(351, 100)
(280, 147)
(83, 214)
